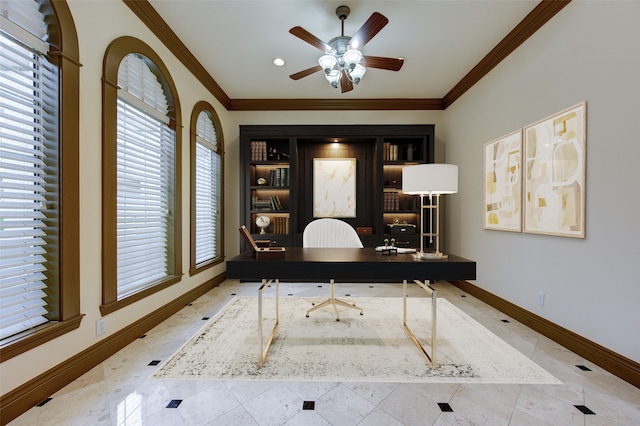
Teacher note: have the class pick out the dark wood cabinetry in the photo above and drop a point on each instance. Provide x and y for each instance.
(276, 178)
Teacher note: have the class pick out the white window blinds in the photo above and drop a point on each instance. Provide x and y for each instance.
(145, 179)
(208, 177)
(23, 174)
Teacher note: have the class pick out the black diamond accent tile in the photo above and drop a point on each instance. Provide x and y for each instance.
(205, 318)
(319, 286)
(371, 286)
(43, 402)
(347, 295)
(154, 362)
(505, 320)
(308, 405)
(584, 409)
(445, 407)
(174, 403)
(290, 294)
(233, 294)
(142, 337)
(463, 295)
(583, 367)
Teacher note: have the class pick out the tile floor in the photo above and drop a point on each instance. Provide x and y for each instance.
(119, 391)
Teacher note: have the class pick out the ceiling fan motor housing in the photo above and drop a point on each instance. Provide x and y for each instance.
(342, 12)
(340, 44)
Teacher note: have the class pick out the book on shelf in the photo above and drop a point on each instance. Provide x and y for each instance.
(272, 203)
(258, 150)
(279, 177)
(391, 201)
(281, 225)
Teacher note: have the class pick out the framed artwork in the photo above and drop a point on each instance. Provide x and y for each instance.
(334, 187)
(503, 183)
(554, 174)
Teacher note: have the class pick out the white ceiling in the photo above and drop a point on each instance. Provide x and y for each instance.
(441, 40)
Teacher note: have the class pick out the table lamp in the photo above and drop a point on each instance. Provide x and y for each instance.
(430, 180)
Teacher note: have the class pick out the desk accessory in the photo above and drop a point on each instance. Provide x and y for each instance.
(261, 252)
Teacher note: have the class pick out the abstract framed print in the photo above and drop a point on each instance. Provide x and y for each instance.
(554, 171)
(503, 183)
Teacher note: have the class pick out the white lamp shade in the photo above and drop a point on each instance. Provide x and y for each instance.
(357, 73)
(327, 63)
(430, 179)
(352, 57)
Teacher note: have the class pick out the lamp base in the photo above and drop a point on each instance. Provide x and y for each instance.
(423, 255)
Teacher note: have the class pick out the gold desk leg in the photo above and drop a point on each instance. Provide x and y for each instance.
(265, 349)
(434, 297)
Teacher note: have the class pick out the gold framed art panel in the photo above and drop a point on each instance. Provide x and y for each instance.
(503, 183)
(554, 174)
(334, 187)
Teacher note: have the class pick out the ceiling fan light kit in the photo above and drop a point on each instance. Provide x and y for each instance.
(343, 63)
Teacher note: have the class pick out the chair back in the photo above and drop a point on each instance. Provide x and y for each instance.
(331, 233)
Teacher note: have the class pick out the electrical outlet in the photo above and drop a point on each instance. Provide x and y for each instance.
(541, 298)
(100, 327)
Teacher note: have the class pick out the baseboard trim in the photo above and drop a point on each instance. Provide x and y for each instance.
(23, 398)
(625, 368)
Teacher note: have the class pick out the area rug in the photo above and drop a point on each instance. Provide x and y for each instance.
(371, 347)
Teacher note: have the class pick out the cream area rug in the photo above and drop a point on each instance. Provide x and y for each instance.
(371, 347)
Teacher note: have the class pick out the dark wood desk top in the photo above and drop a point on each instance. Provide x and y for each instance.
(345, 264)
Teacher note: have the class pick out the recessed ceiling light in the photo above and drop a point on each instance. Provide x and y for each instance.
(278, 62)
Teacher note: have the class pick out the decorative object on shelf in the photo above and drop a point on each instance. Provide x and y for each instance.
(275, 155)
(263, 222)
(410, 150)
(342, 62)
(503, 183)
(554, 174)
(401, 228)
(261, 181)
(429, 180)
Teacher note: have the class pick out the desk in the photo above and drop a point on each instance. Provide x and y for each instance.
(348, 265)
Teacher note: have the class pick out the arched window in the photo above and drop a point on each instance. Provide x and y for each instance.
(206, 189)
(39, 210)
(141, 175)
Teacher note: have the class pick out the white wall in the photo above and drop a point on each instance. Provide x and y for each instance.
(588, 52)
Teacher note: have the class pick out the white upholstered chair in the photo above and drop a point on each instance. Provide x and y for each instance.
(331, 233)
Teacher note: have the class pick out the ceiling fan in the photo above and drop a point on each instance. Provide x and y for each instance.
(343, 63)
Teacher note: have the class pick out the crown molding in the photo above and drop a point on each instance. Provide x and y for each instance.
(150, 17)
(539, 16)
(334, 104)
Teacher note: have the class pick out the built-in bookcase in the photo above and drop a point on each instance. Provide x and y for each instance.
(276, 177)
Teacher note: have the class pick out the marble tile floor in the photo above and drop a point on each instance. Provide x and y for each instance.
(120, 392)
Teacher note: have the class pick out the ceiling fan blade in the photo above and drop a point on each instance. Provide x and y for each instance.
(369, 29)
(304, 73)
(391, 64)
(345, 84)
(305, 35)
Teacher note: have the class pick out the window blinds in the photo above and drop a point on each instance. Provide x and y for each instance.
(207, 170)
(145, 179)
(22, 171)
